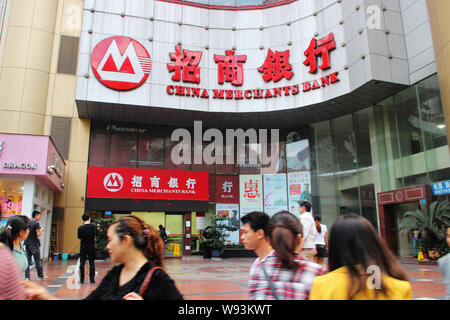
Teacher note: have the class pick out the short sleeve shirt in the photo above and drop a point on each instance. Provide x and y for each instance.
(33, 240)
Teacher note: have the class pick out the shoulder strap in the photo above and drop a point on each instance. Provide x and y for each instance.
(147, 280)
(270, 282)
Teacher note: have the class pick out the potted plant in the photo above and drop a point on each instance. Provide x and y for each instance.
(214, 236)
(431, 223)
(101, 238)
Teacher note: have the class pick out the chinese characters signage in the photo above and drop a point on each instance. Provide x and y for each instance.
(250, 193)
(227, 189)
(230, 68)
(440, 188)
(299, 188)
(147, 184)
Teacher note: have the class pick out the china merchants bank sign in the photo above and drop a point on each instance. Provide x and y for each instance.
(122, 63)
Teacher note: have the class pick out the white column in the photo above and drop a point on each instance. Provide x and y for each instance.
(29, 187)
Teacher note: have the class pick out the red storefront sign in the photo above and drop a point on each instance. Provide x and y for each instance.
(227, 189)
(120, 63)
(147, 184)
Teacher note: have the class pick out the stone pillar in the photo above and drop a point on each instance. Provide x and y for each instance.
(440, 28)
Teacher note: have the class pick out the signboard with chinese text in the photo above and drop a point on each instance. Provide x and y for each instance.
(250, 193)
(147, 184)
(299, 188)
(441, 188)
(227, 189)
(275, 193)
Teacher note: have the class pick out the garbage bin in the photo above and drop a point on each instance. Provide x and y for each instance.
(55, 256)
(65, 256)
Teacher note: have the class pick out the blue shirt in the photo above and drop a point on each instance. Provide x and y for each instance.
(21, 258)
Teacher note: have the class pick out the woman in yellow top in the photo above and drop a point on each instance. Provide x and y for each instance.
(361, 266)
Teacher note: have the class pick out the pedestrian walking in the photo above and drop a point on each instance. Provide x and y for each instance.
(321, 240)
(444, 265)
(361, 266)
(162, 233)
(139, 251)
(17, 229)
(309, 230)
(33, 244)
(284, 274)
(86, 234)
(254, 236)
(10, 286)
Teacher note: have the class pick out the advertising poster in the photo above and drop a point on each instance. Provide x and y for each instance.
(231, 210)
(299, 188)
(275, 193)
(250, 193)
(297, 154)
(227, 189)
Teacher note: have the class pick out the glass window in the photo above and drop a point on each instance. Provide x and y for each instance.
(362, 138)
(432, 116)
(323, 177)
(344, 141)
(68, 55)
(123, 151)
(11, 194)
(151, 149)
(99, 145)
(60, 134)
(408, 122)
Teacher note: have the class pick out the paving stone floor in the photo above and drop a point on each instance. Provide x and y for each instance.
(222, 279)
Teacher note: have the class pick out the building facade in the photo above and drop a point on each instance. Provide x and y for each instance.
(158, 107)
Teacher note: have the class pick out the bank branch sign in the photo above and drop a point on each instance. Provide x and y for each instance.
(129, 183)
(121, 63)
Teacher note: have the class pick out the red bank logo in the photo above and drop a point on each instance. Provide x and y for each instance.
(113, 182)
(121, 63)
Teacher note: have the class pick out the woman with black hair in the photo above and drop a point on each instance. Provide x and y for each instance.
(361, 266)
(17, 230)
(321, 240)
(138, 250)
(284, 274)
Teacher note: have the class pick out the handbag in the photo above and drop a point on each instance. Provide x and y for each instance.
(147, 280)
(270, 283)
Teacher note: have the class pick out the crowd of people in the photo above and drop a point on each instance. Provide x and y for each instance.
(290, 261)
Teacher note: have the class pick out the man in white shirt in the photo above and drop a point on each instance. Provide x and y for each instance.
(254, 236)
(309, 231)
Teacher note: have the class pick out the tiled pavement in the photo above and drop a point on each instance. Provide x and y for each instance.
(207, 279)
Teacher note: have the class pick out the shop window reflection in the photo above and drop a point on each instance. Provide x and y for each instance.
(11, 196)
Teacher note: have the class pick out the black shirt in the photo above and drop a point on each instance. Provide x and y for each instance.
(33, 240)
(86, 233)
(161, 286)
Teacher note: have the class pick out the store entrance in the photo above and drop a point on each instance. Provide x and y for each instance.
(174, 222)
(404, 241)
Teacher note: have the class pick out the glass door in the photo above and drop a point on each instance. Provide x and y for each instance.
(175, 234)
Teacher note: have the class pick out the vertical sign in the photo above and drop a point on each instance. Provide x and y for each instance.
(275, 193)
(231, 210)
(299, 188)
(250, 193)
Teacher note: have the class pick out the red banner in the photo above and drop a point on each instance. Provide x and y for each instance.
(227, 189)
(147, 184)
